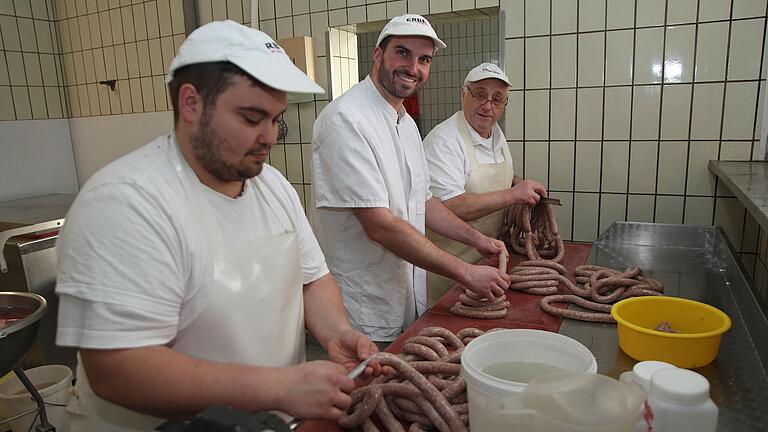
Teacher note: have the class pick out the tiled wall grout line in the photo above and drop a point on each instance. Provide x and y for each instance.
(602, 120)
(669, 84)
(42, 73)
(549, 103)
(575, 127)
(759, 84)
(619, 29)
(720, 136)
(661, 111)
(690, 113)
(635, 140)
(631, 112)
(525, 93)
(24, 66)
(138, 80)
(10, 87)
(61, 79)
(128, 75)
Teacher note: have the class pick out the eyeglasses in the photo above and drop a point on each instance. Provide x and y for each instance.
(481, 97)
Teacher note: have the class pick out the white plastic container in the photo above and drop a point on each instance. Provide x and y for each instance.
(494, 402)
(642, 372)
(641, 375)
(53, 382)
(679, 402)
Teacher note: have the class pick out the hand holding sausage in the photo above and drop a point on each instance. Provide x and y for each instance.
(317, 389)
(528, 192)
(487, 282)
(350, 348)
(490, 247)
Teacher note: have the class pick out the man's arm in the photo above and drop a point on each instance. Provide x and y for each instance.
(162, 382)
(469, 206)
(402, 239)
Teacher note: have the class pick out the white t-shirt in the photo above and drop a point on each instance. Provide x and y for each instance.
(132, 259)
(447, 158)
(365, 154)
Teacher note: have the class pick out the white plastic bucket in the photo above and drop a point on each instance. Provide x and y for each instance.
(53, 382)
(490, 398)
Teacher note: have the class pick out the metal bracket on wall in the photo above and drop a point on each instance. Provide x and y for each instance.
(110, 83)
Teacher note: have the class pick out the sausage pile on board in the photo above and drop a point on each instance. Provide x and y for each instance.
(475, 306)
(426, 392)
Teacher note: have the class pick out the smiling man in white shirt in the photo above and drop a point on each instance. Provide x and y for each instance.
(470, 167)
(372, 193)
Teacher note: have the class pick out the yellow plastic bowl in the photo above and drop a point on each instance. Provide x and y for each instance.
(699, 327)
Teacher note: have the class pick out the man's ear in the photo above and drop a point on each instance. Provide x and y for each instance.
(378, 53)
(190, 103)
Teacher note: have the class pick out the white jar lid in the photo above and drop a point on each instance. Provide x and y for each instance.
(644, 370)
(680, 386)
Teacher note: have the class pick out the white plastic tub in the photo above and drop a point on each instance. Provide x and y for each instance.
(53, 382)
(492, 399)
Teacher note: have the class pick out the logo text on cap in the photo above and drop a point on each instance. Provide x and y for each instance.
(273, 46)
(416, 20)
(486, 69)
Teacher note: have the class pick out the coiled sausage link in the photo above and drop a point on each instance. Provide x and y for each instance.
(577, 315)
(430, 392)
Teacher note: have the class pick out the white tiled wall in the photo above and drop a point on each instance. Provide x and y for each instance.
(131, 42)
(345, 68)
(619, 105)
(30, 62)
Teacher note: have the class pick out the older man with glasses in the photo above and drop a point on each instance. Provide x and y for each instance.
(470, 167)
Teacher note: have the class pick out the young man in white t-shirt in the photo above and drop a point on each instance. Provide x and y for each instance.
(187, 269)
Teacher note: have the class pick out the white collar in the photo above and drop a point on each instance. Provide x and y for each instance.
(371, 87)
(488, 143)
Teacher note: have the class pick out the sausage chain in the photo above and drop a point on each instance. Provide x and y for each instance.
(538, 225)
(426, 392)
(601, 286)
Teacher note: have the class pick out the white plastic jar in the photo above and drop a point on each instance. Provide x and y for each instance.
(642, 372)
(679, 402)
(641, 375)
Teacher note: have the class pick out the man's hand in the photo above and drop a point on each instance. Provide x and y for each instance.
(528, 192)
(485, 281)
(317, 389)
(352, 347)
(490, 247)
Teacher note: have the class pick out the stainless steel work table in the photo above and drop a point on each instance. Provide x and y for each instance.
(694, 262)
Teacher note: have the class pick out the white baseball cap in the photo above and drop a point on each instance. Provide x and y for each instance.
(249, 49)
(486, 70)
(410, 25)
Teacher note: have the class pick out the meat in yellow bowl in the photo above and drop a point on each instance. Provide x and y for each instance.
(697, 328)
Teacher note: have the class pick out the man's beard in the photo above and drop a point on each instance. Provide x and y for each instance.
(387, 80)
(207, 145)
